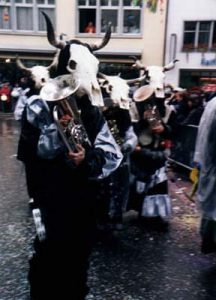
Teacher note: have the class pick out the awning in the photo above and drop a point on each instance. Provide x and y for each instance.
(6, 52)
(120, 54)
(211, 87)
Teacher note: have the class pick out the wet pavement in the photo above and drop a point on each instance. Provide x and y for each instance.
(134, 264)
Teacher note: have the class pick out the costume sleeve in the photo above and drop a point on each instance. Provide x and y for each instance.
(204, 141)
(152, 154)
(104, 157)
(49, 143)
(19, 108)
(130, 141)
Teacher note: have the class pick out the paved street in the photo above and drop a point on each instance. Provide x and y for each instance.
(136, 264)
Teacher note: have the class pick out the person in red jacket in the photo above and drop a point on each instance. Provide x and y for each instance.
(90, 28)
(5, 97)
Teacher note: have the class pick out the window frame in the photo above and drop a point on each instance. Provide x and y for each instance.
(196, 47)
(35, 13)
(120, 18)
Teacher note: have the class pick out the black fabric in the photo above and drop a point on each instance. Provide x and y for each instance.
(66, 199)
(27, 145)
(59, 271)
(207, 231)
(113, 191)
(146, 161)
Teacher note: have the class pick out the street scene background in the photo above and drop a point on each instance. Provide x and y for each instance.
(134, 264)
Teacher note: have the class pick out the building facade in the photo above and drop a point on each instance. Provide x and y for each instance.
(138, 28)
(191, 38)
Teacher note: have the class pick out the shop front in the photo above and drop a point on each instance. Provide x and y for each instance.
(205, 78)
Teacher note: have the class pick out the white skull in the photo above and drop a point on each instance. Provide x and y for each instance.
(83, 66)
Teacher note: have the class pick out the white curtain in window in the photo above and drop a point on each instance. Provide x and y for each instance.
(107, 16)
(24, 18)
(41, 21)
(5, 18)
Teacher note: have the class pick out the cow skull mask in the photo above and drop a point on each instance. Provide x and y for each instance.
(118, 89)
(39, 74)
(77, 58)
(155, 75)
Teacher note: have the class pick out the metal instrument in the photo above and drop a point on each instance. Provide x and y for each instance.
(146, 137)
(65, 113)
(115, 132)
(67, 118)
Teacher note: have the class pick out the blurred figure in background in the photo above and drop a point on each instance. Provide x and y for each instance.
(149, 190)
(15, 94)
(5, 97)
(205, 161)
(195, 108)
(90, 28)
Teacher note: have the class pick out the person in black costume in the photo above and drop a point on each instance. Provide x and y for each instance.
(114, 190)
(63, 186)
(149, 189)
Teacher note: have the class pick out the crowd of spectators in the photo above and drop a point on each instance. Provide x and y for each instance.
(188, 104)
(9, 94)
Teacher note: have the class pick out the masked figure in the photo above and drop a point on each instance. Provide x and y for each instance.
(63, 185)
(149, 190)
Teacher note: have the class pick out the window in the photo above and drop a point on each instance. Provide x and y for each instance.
(199, 35)
(122, 68)
(124, 15)
(25, 15)
(214, 38)
(5, 19)
(194, 78)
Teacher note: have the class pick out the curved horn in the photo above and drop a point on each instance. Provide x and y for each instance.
(54, 62)
(133, 57)
(105, 40)
(169, 86)
(137, 63)
(170, 66)
(136, 80)
(101, 75)
(21, 66)
(51, 34)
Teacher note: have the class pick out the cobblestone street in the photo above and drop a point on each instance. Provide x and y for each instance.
(134, 264)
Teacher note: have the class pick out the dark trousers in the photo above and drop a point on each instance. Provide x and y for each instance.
(113, 196)
(59, 271)
(58, 268)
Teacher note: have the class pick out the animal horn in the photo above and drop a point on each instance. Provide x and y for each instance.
(54, 62)
(170, 66)
(137, 63)
(51, 34)
(21, 66)
(136, 80)
(101, 75)
(105, 40)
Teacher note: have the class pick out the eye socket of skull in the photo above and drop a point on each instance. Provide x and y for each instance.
(72, 64)
(147, 76)
(110, 88)
(105, 83)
